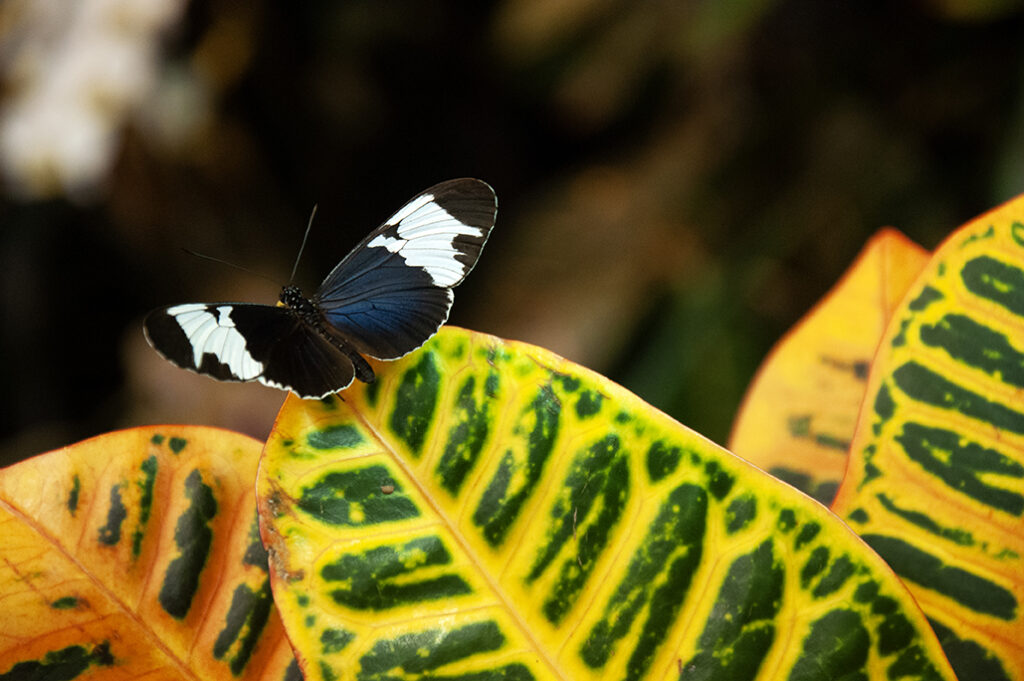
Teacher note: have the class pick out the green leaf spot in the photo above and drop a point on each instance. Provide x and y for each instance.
(858, 515)
(787, 520)
(327, 671)
(977, 346)
(465, 439)
(110, 534)
(662, 460)
(997, 281)
(598, 485)
(836, 648)
(740, 512)
(968, 589)
(925, 522)
(927, 296)
(243, 625)
(814, 566)
(741, 627)
(659, 577)
(386, 576)
(342, 436)
(965, 467)
(884, 405)
(900, 339)
(149, 470)
(76, 488)
(61, 665)
(806, 535)
(980, 236)
(193, 537)
(335, 640)
(415, 403)
(719, 482)
(503, 499)
(1017, 232)
(839, 571)
(923, 384)
(255, 554)
(970, 659)
(589, 404)
(356, 498)
(419, 655)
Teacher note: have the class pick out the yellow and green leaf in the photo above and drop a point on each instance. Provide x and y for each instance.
(488, 510)
(136, 554)
(936, 477)
(799, 413)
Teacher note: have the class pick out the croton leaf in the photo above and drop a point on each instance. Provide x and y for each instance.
(136, 554)
(799, 414)
(936, 476)
(488, 510)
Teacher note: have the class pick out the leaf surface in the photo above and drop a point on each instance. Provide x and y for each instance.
(800, 412)
(936, 476)
(136, 555)
(488, 510)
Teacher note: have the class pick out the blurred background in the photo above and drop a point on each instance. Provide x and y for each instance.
(678, 181)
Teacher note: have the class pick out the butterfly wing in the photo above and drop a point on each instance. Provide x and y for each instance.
(393, 291)
(245, 342)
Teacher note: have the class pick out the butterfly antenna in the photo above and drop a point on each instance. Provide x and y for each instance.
(305, 236)
(229, 264)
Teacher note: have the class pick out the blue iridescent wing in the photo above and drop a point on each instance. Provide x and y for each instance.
(394, 290)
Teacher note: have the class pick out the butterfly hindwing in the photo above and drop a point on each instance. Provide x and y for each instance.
(393, 291)
(246, 342)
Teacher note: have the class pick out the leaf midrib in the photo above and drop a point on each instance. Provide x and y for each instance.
(495, 586)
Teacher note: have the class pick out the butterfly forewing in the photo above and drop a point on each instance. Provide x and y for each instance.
(246, 342)
(393, 291)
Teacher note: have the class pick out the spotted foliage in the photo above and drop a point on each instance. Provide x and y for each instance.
(936, 480)
(487, 510)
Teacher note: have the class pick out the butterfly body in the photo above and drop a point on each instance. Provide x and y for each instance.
(310, 314)
(384, 299)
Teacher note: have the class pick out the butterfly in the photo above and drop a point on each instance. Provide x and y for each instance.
(386, 298)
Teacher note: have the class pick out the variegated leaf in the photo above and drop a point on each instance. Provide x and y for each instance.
(135, 555)
(936, 478)
(487, 510)
(800, 412)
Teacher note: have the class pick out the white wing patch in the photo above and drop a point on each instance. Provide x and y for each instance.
(217, 336)
(410, 208)
(426, 239)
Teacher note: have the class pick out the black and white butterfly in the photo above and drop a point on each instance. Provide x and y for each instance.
(384, 299)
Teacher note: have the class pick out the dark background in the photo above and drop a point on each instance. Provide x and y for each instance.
(678, 181)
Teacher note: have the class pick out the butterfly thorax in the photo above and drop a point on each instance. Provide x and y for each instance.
(309, 313)
(293, 299)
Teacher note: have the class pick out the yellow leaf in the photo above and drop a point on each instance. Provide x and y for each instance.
(135, 555)
(936, 476)
(488, 510)
(799, 413)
